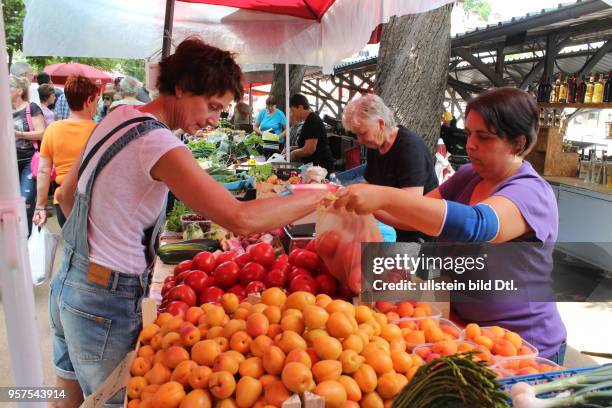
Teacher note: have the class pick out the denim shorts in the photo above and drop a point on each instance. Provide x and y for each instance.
(93, 326)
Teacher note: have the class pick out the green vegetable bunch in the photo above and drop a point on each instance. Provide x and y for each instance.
(261, 172)
(455, 381)
(173, 221)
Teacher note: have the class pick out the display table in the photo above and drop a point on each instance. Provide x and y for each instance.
(585, 224)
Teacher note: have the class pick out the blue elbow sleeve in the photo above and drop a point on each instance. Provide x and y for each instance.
(466, 223)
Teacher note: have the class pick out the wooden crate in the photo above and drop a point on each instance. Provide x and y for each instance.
(548, 158)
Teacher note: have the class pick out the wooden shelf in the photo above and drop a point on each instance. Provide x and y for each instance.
(607, 105)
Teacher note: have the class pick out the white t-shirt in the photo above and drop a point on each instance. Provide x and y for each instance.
(125, 199)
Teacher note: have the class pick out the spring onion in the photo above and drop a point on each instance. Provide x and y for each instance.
(592, 388)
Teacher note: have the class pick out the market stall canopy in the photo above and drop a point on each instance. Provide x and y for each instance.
(308, 32)
(60, 72)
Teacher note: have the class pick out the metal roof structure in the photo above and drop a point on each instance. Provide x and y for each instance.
(571, 38)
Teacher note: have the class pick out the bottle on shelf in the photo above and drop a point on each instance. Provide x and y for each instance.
(554, 95)
(571, 89)
(562, 90)
(542, 119)
(608, 88)
(598, 90)
(603, 178)
(588, 95)
(591, 167)
(542, 91)
(581, 90)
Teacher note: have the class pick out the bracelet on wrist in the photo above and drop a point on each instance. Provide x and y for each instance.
(41, 209)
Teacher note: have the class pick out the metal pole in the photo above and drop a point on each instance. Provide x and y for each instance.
(16, 288)
(169, 19)
(288, 113)
(251, 103)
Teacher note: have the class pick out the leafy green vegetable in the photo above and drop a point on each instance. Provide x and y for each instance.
(224, 123)
(173, 221)
(193, 231)
(261, 172)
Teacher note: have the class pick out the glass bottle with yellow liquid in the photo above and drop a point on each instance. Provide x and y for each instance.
(562, 91)
(554, 95)
(588, 95)
(598, 90)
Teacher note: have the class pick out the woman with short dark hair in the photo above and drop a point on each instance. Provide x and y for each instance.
(46, 92)
(497, 198)
(114, 198)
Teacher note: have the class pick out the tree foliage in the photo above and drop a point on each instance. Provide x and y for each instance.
(14, 13)
(480, 7)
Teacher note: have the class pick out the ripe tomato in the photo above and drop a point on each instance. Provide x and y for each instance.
(250, 272)
(311, 246)
(225, 257)
(255, 286)
(169, 278)
(303, 283)
(305, 259)
(226, 274)
(204, 261)
(262, 253)
(283, 258)
(297, 272)
(327, 284)
(181, 276)
(177, 308)
(281, 264)
(276, 278)
(239, 291)
(167, 286)
(183, 293)
(327, 243)
(197, 280)
(243, 259)
(183, 266)
(211, 294)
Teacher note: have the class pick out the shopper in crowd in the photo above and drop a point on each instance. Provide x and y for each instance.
(313, 145)
(63, 142)
(498, 198)
(129, 89)
(242, 114)
(23, 70)
(46, 93)
(396, 156)
(62, 110)
(114, 194)
(44, 78)
(271, 118)
(29, 125)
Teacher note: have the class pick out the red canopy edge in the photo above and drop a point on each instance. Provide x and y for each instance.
(307, 9)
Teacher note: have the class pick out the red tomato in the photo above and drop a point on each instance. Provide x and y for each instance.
(276, 278)
(385, 307)
(327, 284)
(303, 283)
(183, 293)
(297, 272)
(345, 291)
(167, 286)
(311, 246)
(211, 294)
(169, 278)
(255, 286)
(226, 274)
(283, 258)
(293, 254)
(283, 264)
(225, 257)
(197, 280)
(204, 261)
(262, 253)
(243, 259)
(183, 266)
(239, 291)
(327, 243)
(181, 277)
(251, 272)
(177, 308)
(305, 259)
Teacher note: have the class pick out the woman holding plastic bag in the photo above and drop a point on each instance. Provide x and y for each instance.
(496, 198)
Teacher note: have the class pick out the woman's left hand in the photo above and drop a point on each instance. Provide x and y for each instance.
(360, 198)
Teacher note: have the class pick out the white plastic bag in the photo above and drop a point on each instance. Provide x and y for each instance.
(41, 248)
(443, 168)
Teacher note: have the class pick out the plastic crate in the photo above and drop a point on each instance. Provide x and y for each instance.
(507, 383)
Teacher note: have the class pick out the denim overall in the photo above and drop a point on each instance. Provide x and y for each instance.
(95, 326)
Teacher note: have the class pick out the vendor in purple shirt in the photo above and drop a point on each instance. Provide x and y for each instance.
(498, 198)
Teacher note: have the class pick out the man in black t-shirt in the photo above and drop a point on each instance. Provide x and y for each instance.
(313, 146)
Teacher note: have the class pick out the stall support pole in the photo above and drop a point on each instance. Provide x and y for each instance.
(251, 103)
(16, 287)
(287, 114)
(168, 23)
